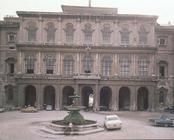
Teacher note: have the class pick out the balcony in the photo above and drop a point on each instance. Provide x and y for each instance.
(87, 76)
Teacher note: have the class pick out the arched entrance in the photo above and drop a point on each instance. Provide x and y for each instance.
(9, 93)
(87, 93)
(49, 96)
(142, 99)
(67, 91)
(30, 95)
(124, 98)
(105, 98)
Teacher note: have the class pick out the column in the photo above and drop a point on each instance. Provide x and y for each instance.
(133, 98)
(38, 96)
(151, 99)
(21, 95)
(96, 36)
(59, 34)
(57, 98)
(96, 98)
(19, 63)
(40, 31)
(117, 98)
(113, 99)
(78, 33)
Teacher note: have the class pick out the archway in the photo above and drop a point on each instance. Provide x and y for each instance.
(49, 96)
(9, 93)
(87, 93)
(124, 98)
(30, 95)
(142, 99)
(67, 91)
(105, 98)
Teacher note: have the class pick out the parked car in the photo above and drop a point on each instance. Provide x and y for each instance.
(164, 120)
(49, 107)
(169, 109)
(112, 122)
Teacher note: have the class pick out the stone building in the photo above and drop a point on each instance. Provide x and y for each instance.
(112, 61)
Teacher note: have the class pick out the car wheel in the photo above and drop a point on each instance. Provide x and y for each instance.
(166, 125)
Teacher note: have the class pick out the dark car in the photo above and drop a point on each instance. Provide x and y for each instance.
(169, 109)
(164, 120)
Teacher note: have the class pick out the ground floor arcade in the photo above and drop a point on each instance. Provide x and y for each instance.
(97, 95)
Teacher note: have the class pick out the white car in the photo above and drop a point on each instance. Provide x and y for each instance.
(112, 122)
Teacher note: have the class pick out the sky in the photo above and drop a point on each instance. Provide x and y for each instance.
(164, 9)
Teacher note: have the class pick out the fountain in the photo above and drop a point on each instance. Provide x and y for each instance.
(72, 124)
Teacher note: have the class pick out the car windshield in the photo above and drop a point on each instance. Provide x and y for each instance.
(112, 118)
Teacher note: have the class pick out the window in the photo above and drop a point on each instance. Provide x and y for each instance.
(106, 66)
(11, 37)
(162, 71)
(106, 33)
(125, 37)
(162, 41)
(50, 32)
(30, 64)
(124, 66)
(68, 65)
(49, 64)
(11, 68)
(88, 33)
(69, 33)
(10, 65)
(142, 35)
(32, 30)
(143, 67)
(87, 64)
(161, 97)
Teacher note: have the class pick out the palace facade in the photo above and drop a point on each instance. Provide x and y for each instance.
(112, 61)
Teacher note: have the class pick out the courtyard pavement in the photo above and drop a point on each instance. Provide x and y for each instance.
(15, 125)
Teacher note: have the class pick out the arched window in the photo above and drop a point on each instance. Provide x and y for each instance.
(106, 66)
(88, 33)
(143, 66)
(124, 66)
(49, 64)
(69, 29)
(32, 30)
(30, 63)
(106, 33)
(143, 35)
(50, 32)
(68, 65)
(125, 36)
(87, 64)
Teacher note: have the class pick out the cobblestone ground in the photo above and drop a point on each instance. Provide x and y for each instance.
(19, 126)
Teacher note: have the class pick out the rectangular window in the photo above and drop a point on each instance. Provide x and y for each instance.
(11, 68)
(88, 37)
(162, 71)
(162, 41)
(143, 67)
(32, 35)
(11, 37)
(124, 67)
(69, 37)
(49, 65)
(29, 64)
(106, 37)
(124, 38)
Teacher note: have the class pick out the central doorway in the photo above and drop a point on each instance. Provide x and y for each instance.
(124, 98)
(105, 98)
(87, 97)
(49, 96)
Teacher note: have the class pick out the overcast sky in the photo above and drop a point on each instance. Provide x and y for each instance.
(162, 8)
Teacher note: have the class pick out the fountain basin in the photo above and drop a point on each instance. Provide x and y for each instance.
(58, 128)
